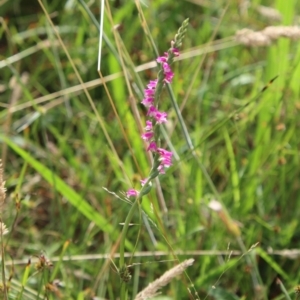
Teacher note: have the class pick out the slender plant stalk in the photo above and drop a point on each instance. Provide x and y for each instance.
(283, 289)
(125, 229)
(2, 230)
(162, 159)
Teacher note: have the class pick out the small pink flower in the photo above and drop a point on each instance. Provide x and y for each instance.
(152, 84)
(167, 72)
(147, 136)
(148, 126)
(148, 101)
(152, 111)
(152, 147)
(168, 77)
(160, 117)
(164, 152)
(175, 51)
(166, 67)
(166, 162)
(165, 157)
(162, 59)
(132, 193)
(149, 92)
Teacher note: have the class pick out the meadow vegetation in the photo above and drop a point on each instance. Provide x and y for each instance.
(223, 222)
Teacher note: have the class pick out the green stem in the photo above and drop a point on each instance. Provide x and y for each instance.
(125, 229)
(256, 278)
(123, 293)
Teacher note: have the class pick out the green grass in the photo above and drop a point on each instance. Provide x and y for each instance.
(71, 150)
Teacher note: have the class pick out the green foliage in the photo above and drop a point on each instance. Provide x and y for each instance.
(68, 161)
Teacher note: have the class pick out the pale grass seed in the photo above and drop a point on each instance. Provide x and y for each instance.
(152, 289)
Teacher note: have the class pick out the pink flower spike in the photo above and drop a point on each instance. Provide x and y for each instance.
(132, 193)
(152, 147)
(147, 136)
(160, 117)
(148, 126)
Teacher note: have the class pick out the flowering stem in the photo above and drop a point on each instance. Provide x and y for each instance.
(162, 158)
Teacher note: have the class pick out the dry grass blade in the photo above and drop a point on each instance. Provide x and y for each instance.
(153, 287)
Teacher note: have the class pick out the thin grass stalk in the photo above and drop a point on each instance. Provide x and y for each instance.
(255, 275)
(58, 264)
(101, 31)
(2, 229)
(283, 289)
(24, 279)
(5, 294)
(123, 294)
(17, 200)
(96, 23)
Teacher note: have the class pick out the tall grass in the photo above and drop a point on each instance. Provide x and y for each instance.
(71, 148)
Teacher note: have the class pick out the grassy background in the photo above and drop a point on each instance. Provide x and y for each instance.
(60, 149)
